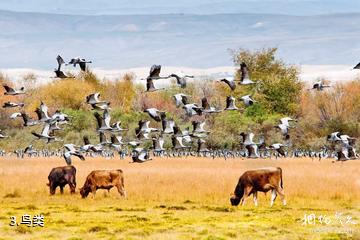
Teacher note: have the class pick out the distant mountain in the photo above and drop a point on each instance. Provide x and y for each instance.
(33, 40)
(129, 7)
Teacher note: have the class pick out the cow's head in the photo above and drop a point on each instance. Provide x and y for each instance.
(52, 187)
(84, 191)
(238, 194)
(234, 200)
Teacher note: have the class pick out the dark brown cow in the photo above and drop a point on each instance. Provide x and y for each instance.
(259, 180)
(103, 179)
(60, 176)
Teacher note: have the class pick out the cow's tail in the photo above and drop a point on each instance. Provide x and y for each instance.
(281, 178)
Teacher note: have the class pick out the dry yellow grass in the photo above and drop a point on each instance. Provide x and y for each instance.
(191, 191)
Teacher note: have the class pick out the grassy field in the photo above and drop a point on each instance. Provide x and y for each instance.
(181, 199)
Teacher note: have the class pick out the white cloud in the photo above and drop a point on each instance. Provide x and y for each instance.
(258, 25)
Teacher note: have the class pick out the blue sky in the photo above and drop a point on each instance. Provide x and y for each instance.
(98, 7)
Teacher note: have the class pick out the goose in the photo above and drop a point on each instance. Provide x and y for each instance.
(230, 82)
(247, 100)
(103, 140)
(94, 99)
(198, 127)
(158, 144)
(181, 98)
(247, 138)
(154, 73)
(81, 61)
(44, 133)
(87, 147)
(319, 86)
(15, 115)
(286, 121)
(201, 146)
(177, 142)
(140, 155)
(230, 103)
(347, 140)
(116, 142)
(69, 151)
(357, 66)
(154, 113)
(54, 126)
(192, 109)
(342, 154)
(279, 148)
(253, 151)
(144, 129)
(150, 87)
(2, 135)
(334, 137)
(13, 105)
(284, 129)
(58, 72)
(103, 123)
(42, 112)
(116, 127)
(207, 108)
(185, 134)
(101, 106)
(30, 150)
(142, 135)
(60, 117)
(245, 77)
(28, 121)
(181, 78)
(134, 143)
(13, 92)
(167, 126)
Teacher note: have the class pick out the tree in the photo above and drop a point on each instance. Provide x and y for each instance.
(279, 85)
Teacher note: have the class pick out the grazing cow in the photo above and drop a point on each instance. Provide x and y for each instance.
(103, 179)
(60, 176)
(259, 180)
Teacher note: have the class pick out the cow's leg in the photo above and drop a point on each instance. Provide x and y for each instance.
(121, 190)
(273, 197)
(255, 198)
(93, 191)
(280, 191)
(72, 188)
(247, 191)
(62, 189)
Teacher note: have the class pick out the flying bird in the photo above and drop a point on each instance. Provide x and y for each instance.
(319, 86)
(247, 100)
(58, 72)
(245, 76)
(230, 103)
(181, 98)
(70, 150)
(207, 108)
(13, 92)
(80, 61)
(13, 105)
(181, 78)
(154, 113)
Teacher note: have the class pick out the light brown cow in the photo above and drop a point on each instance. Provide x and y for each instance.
(259, 180)
(103, 179)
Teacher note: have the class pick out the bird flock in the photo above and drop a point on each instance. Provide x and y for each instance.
(185, 142)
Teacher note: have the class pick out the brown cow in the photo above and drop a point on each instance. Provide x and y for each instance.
(259, 180)
(60, 176)
(103, 179)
